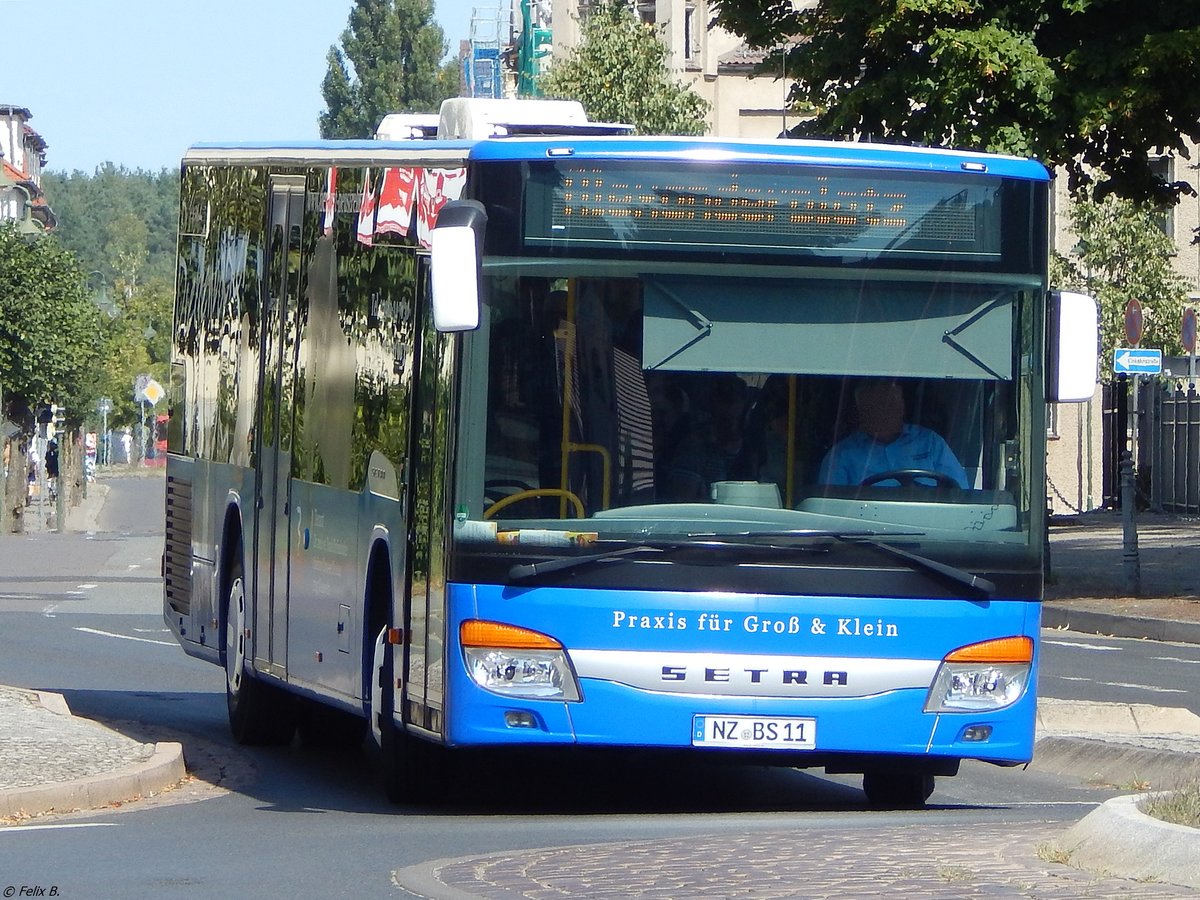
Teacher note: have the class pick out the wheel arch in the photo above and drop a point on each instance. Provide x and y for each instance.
(231, 548)
(378, 600)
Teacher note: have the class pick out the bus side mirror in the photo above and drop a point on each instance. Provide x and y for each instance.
(456, 265)
(1073, 343)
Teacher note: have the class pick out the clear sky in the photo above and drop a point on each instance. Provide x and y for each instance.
(135, 82)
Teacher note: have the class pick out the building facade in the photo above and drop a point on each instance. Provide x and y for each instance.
(715, 64)
(22, 156)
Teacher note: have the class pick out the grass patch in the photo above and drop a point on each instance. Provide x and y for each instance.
(1053, 853)
(1180, 807)
(955, 873)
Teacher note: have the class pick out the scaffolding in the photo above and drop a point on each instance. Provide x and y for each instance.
(482, 67)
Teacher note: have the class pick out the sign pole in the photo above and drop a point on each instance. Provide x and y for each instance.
(1188, 339)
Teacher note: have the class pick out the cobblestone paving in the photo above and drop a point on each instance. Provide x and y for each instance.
(40, 746)
(939, 862)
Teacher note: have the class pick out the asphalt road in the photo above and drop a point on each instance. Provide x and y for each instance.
(1120, 670)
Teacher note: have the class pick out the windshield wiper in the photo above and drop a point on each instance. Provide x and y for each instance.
(693, 542)
(961, 576)
(521, 571)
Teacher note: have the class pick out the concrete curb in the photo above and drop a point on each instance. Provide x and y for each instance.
(1119, 838)
(164, 769)
(1088, 622)
(1125, 766)
(1096, 717)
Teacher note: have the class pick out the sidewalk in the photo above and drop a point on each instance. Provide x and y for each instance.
(52, 761)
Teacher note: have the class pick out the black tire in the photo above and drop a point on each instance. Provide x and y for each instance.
(259, 713)
(413, 770)
(897, 790)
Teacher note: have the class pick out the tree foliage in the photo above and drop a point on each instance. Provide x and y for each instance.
(389, 61)
(618, 71)
(137, 341)
(50, 341)
(1093, 86)
(1124, 255)
(122, 227)
(105, 216)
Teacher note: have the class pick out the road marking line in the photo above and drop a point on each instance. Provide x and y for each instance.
(125, 637)
(1122, 684)
(16, 829)
(1194, 662)
(1081, 646)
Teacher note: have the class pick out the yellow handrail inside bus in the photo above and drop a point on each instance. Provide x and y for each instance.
(536, 492)
(606, 457)
(790, 456)
(567, 333)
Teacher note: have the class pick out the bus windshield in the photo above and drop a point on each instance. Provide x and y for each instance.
(615, 401)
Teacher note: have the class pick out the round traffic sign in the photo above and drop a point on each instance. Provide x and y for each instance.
(1133, 322)
(1188, 331)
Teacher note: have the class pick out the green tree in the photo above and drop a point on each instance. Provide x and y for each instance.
(389, 61)
(1124, 255)
(50, 341)
(137, 341)
(122, 227)
(111, 212)
(618, 71)
(1093, 86)
(125, 250)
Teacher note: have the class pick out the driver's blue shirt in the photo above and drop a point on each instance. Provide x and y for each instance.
(858, 456)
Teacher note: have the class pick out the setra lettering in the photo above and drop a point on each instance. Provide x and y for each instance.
(712, 675)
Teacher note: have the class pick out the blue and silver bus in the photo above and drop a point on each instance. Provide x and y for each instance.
(541, 435)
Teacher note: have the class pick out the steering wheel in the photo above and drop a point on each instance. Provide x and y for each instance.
(912, 478)
(534, 492)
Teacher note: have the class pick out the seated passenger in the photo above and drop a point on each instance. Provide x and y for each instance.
(884, 442)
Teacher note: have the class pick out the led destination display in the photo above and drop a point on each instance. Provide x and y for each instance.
(764, 207)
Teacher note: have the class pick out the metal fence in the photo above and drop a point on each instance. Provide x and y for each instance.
(1163, 419)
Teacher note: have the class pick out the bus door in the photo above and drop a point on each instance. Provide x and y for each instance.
(274, 424)
(431, 429)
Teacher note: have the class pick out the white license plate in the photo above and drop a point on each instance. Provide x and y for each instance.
(773, 732)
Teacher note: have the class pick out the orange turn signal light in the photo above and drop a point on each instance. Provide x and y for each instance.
(482, 633)
(1016, 649)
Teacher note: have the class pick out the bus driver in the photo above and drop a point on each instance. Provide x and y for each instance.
(886, 445)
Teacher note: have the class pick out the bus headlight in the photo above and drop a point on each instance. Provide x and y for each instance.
(986, 676)
(517, 662)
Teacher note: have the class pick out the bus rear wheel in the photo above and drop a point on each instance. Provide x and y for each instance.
(897, 790)
(259, 713)
(413, 770)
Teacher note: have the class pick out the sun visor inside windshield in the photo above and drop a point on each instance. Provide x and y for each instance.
(914, 330)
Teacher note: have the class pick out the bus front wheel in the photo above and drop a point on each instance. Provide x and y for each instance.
(259, 713)
(413, 770)
(897, 790)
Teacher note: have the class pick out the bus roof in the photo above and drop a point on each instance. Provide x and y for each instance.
(833, 153)
(683, 149)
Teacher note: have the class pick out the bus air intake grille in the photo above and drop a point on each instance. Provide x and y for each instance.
(177, 569)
